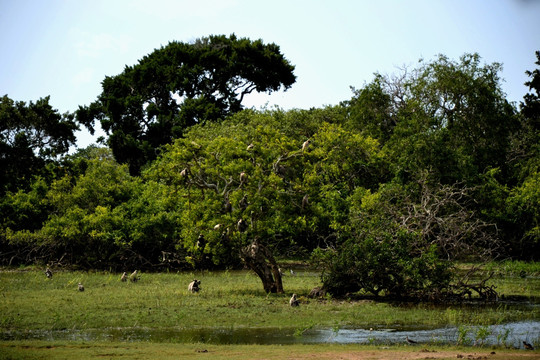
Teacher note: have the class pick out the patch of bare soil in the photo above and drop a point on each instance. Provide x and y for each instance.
(421, 355)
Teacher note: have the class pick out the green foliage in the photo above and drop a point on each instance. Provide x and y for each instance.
(466, 99)
(530, 108)
(450, 117)
(387, 266)
(294, 197)
(416, 170)
(85, 216)
(400, 240)
(371, 109)
(520, 211)
(515, 210)
(463, 335)
(25, 210)
(212, 178)
(179, 85)
(31, 136)
(523, 206)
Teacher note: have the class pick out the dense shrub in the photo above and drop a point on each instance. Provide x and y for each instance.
(384, 266)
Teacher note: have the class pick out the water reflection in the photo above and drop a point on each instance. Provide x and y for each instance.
(511, 334)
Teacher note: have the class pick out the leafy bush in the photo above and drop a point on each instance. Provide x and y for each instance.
(384, 266)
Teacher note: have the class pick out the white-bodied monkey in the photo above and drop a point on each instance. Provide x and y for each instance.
(293, 301)
(243, 177)
(194, 286)
(133, 277)
(305, 145)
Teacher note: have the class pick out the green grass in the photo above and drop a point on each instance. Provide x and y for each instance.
(30, 301)
(512, 278)
(515, 268)
(143, 350)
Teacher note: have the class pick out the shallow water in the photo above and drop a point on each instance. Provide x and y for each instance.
(511, 334)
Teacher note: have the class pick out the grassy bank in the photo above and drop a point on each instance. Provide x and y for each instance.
(81, 351)
(233, 299)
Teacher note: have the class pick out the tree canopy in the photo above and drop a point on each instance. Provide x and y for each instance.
(31, 136)
(247, 189)
(450, 116)
(179, 85)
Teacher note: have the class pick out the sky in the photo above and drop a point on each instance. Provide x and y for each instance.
(65, 48)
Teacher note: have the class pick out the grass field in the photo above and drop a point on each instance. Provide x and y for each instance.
(164, 351)
(228, 300)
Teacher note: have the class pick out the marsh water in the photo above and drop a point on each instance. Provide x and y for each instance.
(510, 334)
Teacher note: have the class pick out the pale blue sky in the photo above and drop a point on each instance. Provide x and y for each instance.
(64, 48)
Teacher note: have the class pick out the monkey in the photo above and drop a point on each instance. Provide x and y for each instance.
(293, 301)
(194, 286)
(528, 346)
(243, 177)
(81, 287)
(250, 147)
(183, 173)
(217, 227)
(243, 203)
(241, 225)
(305, 201)
(225, 235)
(201, 242)
(133, 277)
(124, 277)
(227, 207)
(305, 145)
(292, 272)
(48, 272)
(317, 292)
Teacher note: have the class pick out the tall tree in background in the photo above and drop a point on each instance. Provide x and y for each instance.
(31, 135)
(513, 201)
(530, 108)
(523, 203)
(466, 100)
(449, 116)
(179, 85)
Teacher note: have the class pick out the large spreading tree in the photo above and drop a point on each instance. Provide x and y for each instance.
(179, 85)
(247, 191)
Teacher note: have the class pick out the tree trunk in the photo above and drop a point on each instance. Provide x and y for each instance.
(259, 259)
